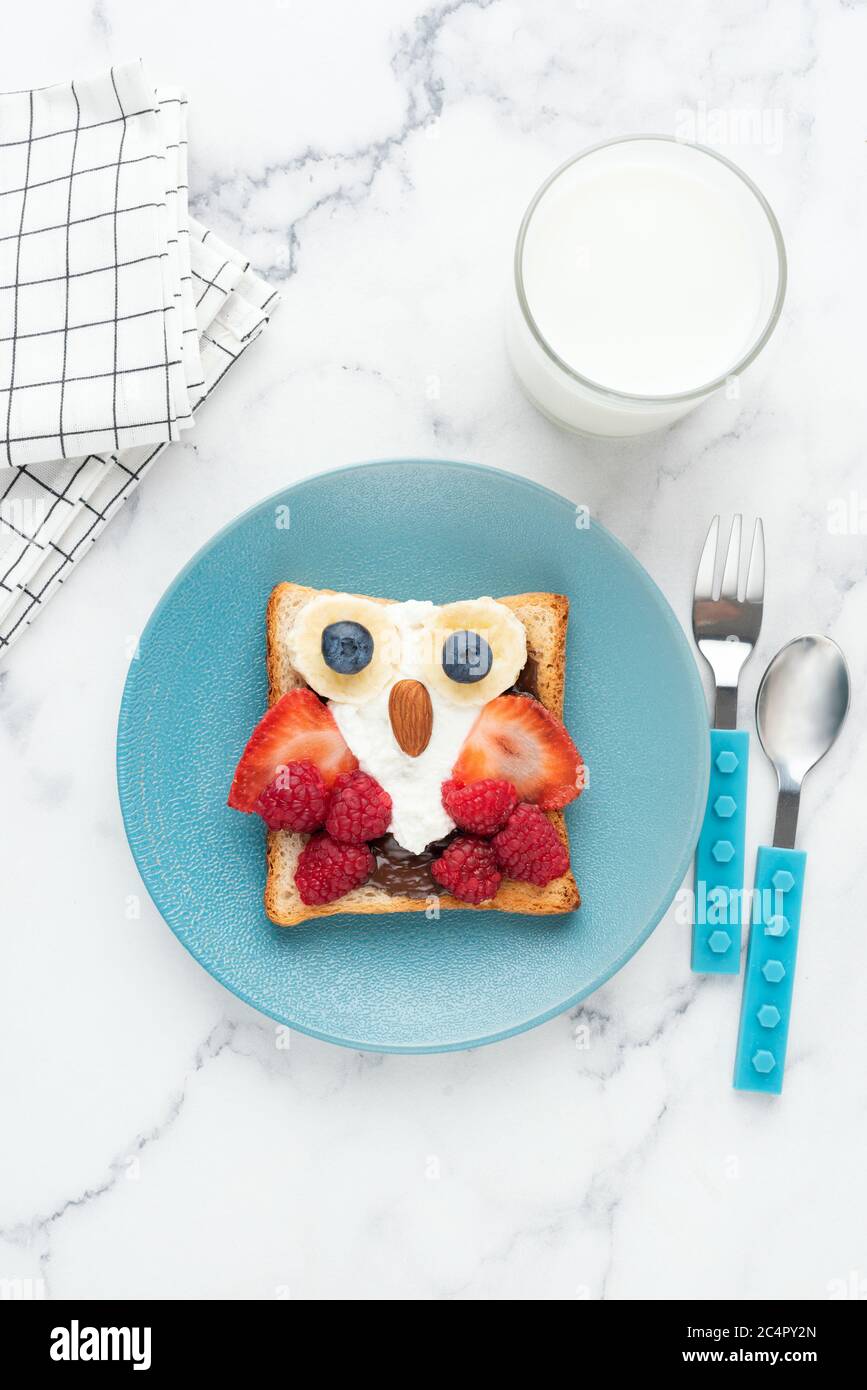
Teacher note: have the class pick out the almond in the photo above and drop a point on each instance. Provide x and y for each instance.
(411, 715)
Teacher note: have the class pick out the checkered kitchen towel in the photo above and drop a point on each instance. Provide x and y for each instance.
(115, 331)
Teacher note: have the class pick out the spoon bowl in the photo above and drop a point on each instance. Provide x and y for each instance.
(802, 703)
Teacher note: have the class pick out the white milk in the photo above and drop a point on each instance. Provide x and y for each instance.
(648, 268)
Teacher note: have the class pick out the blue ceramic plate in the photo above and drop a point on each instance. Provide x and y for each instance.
(412, 529)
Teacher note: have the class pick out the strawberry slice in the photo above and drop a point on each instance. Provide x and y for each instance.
(299, 728)
(516, 739)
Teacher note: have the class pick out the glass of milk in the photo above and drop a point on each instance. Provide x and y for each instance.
(648, 274)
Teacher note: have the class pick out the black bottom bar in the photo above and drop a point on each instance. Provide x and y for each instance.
(156, 1338)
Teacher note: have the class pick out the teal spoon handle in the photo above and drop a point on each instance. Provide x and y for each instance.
(719, 859)
(766, 1005)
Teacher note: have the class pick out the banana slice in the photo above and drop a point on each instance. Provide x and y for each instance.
(345, 647)
(474, 650)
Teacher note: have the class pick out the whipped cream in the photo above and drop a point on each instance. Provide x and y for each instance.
(414, 784)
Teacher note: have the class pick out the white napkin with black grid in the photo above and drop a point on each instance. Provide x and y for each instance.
(119, 314)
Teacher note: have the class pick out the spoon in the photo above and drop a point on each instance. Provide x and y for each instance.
(801, 706)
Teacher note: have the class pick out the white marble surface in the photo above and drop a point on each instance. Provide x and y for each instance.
(375, 159)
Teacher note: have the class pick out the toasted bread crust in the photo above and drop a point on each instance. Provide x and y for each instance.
(545, 618)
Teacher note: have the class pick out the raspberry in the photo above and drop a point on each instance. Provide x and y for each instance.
(529, 848)
(482, 807)
(359, 810)
(326, 870)
(468, 869)
(295, 800)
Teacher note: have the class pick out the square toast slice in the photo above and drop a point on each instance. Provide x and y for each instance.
(545, 618)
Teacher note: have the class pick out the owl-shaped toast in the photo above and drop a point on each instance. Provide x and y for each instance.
(413, 756)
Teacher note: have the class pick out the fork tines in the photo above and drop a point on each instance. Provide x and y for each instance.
(753, 592)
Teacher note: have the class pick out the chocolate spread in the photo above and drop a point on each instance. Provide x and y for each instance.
(398, 871)
(528, 681)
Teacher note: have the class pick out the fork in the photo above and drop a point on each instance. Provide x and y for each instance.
(726, 623)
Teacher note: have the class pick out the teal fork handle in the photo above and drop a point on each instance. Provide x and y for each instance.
(719, 859)
(766, 1005)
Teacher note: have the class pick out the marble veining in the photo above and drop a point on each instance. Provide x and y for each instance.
(163, 1139)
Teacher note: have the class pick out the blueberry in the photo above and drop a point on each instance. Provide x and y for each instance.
(347, 648)
(466, 657)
